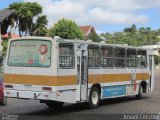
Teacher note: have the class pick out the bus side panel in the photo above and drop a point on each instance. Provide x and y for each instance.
(114, 83)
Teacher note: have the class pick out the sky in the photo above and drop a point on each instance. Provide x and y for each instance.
(105, 15)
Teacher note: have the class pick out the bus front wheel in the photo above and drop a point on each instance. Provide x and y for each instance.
(94, 97)
(139, 95)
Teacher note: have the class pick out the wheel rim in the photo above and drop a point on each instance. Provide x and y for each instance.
(94, 98)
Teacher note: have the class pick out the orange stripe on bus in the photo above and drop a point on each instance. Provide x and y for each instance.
(116, 77)
(40, 80)
(142, 76)
(69, 80)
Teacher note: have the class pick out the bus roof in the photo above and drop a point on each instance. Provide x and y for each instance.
(58, 39)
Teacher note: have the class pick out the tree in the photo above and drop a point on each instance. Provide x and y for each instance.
(106, 37)
(41, 32)
(134, 28)
(40, 27)
(25, 13)
(41, 21)
(134, 37)
(5, 45)
(131, 29)
(94, 38)
(66, 29)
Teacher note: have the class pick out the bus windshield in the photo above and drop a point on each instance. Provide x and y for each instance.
(30, 53)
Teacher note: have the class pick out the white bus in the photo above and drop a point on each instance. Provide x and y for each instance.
(55, 70)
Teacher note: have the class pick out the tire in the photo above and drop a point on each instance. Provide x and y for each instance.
(54, 104)
(139, 95)
(94, 98)
(4, 101)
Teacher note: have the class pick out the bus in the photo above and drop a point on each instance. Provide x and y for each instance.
(56, 71)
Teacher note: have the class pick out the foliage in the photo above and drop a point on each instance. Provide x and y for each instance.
(132, 29)
(40, 28)
(133, 36)
(41, 21)
(41, 32)
(66, 29)
(5, 45)
(25, 15)
(93, 37)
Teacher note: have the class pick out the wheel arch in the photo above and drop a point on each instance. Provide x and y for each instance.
(97, 85)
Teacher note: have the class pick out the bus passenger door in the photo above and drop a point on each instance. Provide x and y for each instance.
(82, 75)
(151, 69)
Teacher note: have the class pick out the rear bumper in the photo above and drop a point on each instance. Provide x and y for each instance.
(30, 94)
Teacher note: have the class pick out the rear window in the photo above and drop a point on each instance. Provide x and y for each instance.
(30, 53)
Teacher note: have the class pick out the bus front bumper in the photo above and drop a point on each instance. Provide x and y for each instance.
(45, 95)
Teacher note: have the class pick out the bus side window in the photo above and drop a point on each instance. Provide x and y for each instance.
(66, 55)
(131, 58)
(93, 53)
(106, 56)
(142, 59)
(119, 58)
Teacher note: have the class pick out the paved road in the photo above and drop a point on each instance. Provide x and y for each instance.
(150, 104)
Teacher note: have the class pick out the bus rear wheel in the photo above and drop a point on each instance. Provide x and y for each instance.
(54, 104)
(94, 97)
